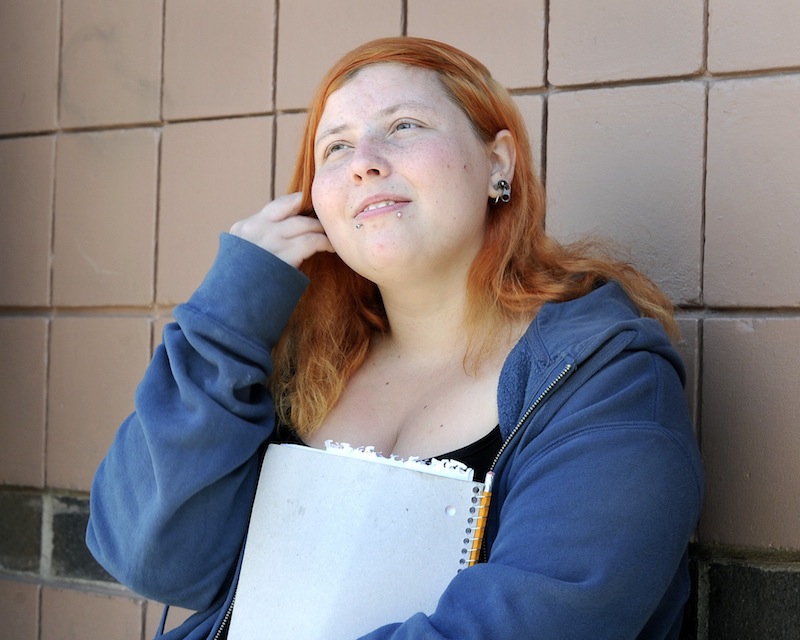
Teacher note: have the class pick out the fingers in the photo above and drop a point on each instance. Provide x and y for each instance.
(300, 238)
(279, 229)
(282, 207)
(302, 247)
(279, 209)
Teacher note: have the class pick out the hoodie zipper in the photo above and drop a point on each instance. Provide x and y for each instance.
(225, 620)
(567, 368)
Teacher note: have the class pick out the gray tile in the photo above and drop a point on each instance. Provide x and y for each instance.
(20, 530)
(71, 558)
(753, 603)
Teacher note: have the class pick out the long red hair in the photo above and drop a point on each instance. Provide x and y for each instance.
(518, 268)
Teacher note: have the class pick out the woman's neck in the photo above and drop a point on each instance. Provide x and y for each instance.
(425, 324)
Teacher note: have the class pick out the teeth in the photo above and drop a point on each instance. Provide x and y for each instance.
(380, 205)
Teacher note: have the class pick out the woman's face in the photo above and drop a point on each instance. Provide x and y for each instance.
(402, 181)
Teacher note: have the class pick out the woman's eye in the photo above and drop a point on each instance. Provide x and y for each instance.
(333, 148)
(405, 124)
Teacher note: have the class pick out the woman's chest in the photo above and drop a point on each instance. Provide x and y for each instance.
(413, 413)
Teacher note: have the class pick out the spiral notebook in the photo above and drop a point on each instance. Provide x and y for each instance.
(341, 543)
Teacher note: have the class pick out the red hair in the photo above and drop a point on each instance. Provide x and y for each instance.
(518, 268)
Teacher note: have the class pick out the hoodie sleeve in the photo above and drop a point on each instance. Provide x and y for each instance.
(170, 502)
(593, 521)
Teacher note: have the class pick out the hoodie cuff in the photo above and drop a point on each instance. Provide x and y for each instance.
(249, 290)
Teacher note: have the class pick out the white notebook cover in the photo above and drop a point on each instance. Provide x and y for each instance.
(338, 546)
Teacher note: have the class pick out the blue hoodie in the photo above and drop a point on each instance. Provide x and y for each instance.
(597, 489)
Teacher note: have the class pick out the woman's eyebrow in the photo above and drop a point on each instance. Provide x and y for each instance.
(332, 131)
(385, 112)
(411, 104)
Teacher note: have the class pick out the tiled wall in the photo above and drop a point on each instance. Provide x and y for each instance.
(131, 133)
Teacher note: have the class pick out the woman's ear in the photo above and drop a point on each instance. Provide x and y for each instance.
(503, 156)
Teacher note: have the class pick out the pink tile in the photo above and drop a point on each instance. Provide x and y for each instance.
(158, 329)
(751, 443)
(19, 610)
(745, 35)
(78, 615)
(29, 33)
(626, 164)
(95, 366)
(506, 35)
(289, 133)
(212, 174)
(217, 58)
(26, 182)
(753, 193)
(175, 617)
(105, 206)
(313, 35)
(23, 373)
(624, 39)
(111, 62)
(532, 109)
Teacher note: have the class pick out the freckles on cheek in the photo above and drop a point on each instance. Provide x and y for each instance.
(329, 213)
(327, 192)
(321, 202)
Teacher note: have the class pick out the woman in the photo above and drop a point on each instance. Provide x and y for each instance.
(406, 297)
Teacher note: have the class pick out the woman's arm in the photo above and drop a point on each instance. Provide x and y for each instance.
(171, 500)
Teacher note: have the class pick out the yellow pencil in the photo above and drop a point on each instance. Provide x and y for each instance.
(480, 519)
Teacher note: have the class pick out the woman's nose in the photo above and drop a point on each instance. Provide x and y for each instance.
(369, 159)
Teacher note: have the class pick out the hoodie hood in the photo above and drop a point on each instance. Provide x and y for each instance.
(564, 336)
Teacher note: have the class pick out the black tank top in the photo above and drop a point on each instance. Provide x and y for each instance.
(480, 454)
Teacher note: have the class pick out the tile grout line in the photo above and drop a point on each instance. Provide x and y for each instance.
(274, 145)
(159, 166)
(704, 183)
(46, 551)
(39, 591)
(545, 100)
(51, 277)
(702, 604)
(60, 65)
(703, 591)
(709, 78)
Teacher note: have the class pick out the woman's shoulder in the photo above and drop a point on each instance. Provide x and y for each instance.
(577, 327)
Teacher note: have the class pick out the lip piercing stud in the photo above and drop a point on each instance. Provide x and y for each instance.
(359, 225)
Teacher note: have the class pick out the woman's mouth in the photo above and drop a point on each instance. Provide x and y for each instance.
(379, 205)
(380, 208)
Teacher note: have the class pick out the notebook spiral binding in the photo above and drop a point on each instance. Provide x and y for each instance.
(479, 512)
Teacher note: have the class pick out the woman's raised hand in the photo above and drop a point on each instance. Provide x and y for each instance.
(279, 229)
